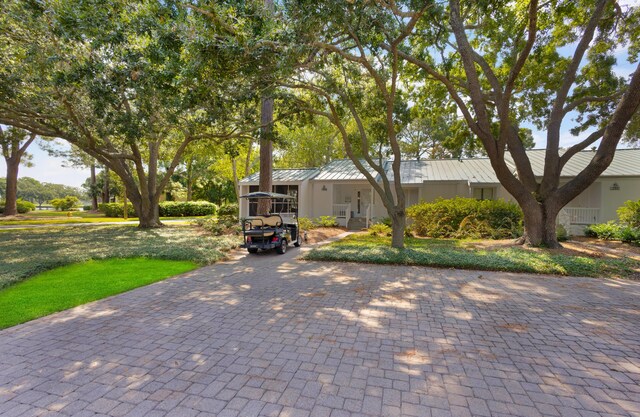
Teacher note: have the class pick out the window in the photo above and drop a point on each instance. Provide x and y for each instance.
(483, 193)
(276, 206)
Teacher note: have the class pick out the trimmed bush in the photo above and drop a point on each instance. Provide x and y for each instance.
(116, 209)
(86, 208)
(23, 206)
(467, 218)
(187, 208)
(66, 203)
(629, 214)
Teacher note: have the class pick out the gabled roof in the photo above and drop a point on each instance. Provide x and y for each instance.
(626, 163)
(343, 170)
(476, 170)
(285, 175)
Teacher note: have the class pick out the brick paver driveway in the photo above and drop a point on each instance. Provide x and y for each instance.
(269, 335)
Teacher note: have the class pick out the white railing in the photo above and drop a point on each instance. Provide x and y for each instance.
(342, 211)
(579, 215)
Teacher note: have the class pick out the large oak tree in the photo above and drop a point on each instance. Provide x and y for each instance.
(131, 84)
(505, 63)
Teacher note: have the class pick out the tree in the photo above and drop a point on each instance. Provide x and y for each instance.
(129, 84)
(14, 143)
(501, 64)
(307, 143)
(351, 80)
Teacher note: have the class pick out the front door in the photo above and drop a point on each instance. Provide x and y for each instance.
(362, 200)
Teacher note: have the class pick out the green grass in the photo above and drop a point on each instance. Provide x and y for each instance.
(27, 252)
(46, 217)
(452, 253)
(72, 285)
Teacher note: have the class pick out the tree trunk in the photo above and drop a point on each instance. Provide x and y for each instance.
(398, 224)
(190, 179)
(266, 154)
(236, 183)
(147, 210)
(11, 207)
(94, 189)
(105, 189)
(540, 225)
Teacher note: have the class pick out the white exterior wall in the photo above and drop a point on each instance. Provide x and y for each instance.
(429, 191)
(321, 200)
(613, 199)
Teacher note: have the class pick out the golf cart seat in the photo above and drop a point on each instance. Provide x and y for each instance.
(263, 225)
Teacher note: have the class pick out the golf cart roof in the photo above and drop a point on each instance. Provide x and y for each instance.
(262, 194)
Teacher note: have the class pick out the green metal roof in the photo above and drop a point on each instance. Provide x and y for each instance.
(284, 175)
(626, 163)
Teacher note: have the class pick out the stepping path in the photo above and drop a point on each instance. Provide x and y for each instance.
(270, 335)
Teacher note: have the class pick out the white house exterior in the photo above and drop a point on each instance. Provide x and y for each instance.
(339, 189)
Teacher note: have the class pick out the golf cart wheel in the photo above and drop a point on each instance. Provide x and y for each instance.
(282, 248)
(252, 250)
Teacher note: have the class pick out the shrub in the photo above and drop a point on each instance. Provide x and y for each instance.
(116, 209)
(379, 229)
(629, 214)
(66, 203)
(561, 233)
(23, 206)
(467, 218)
(306, 223)
(229, 209)
(327, 221)
(187, 208)
(630, 235)
(220, 226)
(86, 208)
(604, 231)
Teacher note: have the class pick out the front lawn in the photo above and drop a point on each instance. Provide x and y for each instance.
(72, 285)
(452, 253)
(27, 252)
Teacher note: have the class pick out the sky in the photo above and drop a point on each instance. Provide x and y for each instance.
(52, 169)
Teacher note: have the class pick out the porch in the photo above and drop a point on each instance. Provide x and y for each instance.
(575, 219)
(352, 205)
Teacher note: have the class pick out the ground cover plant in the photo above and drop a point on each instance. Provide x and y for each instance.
(26, 253)
(454, 253)
(73, 285)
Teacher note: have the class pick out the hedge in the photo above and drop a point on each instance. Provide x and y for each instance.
(467, 218)
(187, 208)
(116, 209)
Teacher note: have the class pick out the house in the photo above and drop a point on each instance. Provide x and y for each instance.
(339, 189)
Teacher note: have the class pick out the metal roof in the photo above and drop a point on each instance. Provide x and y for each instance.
(476, 170)
(285, 175)
(262, 195)
(626, 163)
(344, 170)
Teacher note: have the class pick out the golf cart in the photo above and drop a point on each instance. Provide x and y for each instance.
(268, 231)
